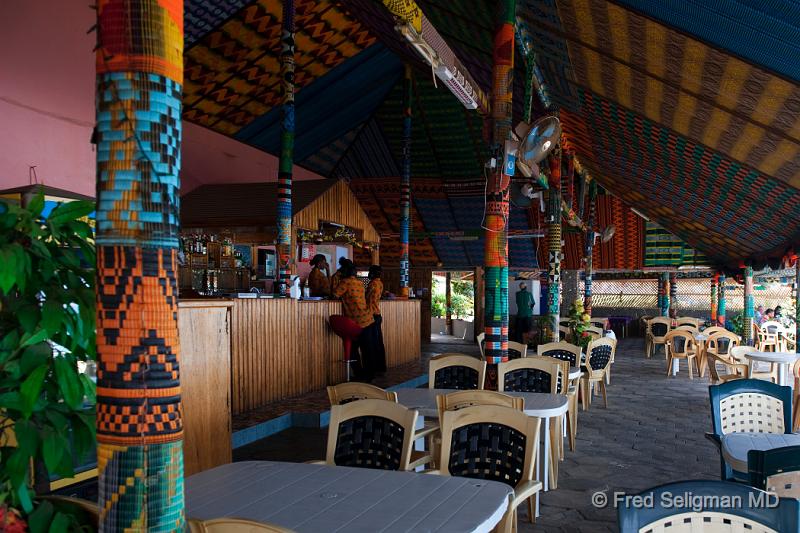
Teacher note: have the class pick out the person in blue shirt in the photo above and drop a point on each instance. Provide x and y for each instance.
(525, 305)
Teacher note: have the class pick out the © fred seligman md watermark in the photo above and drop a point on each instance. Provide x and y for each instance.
(685, 500)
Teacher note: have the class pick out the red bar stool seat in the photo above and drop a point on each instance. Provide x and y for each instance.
(348, 331)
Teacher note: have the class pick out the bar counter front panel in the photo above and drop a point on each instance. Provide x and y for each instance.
(282, 348)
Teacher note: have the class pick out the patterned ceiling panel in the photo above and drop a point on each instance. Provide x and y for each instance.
(232, 74)
(202, 16)
(380, 199)
(697, 91)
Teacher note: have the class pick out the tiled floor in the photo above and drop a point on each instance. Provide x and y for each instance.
(651, 433)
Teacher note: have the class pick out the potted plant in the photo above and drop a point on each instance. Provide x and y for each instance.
(47, 326)
(579, 320)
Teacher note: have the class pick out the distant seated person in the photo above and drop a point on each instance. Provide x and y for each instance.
(318, 280)
(769, 314)
(778, 312)
(759, 315)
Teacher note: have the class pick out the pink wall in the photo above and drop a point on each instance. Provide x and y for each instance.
(47, 107)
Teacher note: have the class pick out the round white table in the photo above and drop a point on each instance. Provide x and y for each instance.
(540, 405)
(782, 359)
(736, 445)
(312, 497)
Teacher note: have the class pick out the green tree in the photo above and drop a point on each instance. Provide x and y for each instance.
(47, 325)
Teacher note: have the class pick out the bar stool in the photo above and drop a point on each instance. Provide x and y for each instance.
(349, 332)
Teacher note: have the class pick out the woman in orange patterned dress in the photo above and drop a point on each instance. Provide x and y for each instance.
(354, 305)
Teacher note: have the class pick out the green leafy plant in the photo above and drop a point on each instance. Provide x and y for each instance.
(438, 308)
(579, 321)
(47, 325)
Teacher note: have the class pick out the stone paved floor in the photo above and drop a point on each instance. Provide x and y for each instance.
(651, 433)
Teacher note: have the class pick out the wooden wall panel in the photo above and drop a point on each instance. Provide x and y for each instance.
(284, 348)
(204, 328)
(338, 204)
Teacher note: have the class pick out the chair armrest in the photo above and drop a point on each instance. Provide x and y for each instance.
(315, 462)
(525, 490)
(426, 431)
(716, 439)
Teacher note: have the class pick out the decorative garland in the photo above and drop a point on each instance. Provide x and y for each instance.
(340, 235)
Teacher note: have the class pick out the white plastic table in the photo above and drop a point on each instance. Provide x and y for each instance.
(782, 359)
(544, 406)
(313, 498)
(736, 445)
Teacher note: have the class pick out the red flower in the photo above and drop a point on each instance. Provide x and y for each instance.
(585, 334)
(11, 522)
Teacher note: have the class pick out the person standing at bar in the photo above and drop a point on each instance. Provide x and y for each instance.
(318, 281)
(354, 305)
(374, 293)
(337, 276)
(525, 305)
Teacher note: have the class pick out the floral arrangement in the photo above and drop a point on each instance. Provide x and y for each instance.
(579, 321)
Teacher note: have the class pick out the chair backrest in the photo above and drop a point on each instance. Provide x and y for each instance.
(599, 354)
(721, 342)
(659, 326)
(532, 374)
(456, 371)
(595, 329)
(708, 509)
(713, 330)
(371, 434)
(467, 398)
(739, 353)
(479, 339)
(489, 442)
(599, 323)
(679, 342)
(233, 525)
(353, 390)
(772, 327)
(564, 333)
(561, 350)
(688, 327)
(734, 369)
(750, 406)
(517, 350)
(776, 470)
(687, 321)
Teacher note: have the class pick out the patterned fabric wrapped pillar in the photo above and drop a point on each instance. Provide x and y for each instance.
(496, 241)
(554, 244)
(139, 65)
(568, 181)
(284, 210)
(405, 184)
(714, 285)
(797, 303)
(589, 248)
(663, 291)
(673, 295)
(749, 306)
(721, 306)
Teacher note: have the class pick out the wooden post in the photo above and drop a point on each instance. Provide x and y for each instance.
(749, 310)
(721, 306)
(284, 210)
(139, 67)
(405, 184)
(497, 207)
(448, 303)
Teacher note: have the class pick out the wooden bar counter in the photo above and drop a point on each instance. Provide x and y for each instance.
(282, 348)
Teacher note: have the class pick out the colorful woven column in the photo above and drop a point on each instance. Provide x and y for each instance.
(749, 306)
(405, 184)
(714, 285)
(589, 248)
(284, 211)
(496, 214)
(673, 295)
(663, 291)
(721, 306)
(568, 180)
(139, 64)
(797, 303)
(554, 243)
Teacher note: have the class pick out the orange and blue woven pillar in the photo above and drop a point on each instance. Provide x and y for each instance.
(139, 65)
(286, 162)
